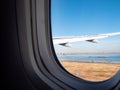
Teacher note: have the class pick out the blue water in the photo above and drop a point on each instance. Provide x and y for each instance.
(111, 58)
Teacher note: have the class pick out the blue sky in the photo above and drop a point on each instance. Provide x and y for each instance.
(86, 17)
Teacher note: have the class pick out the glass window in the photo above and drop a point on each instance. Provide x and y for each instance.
(86, 37)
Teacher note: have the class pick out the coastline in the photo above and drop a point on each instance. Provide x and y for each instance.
(93, 71)
(89, 62)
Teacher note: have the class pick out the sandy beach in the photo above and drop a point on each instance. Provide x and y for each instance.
(91, 71)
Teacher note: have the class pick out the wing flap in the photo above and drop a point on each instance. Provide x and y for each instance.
(93, 41)
(65, 44)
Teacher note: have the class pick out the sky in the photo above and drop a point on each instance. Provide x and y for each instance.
(86, 17)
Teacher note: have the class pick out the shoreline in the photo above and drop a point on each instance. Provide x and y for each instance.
(88, 62)
(93, 71)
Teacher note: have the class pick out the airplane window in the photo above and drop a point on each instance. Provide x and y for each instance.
(86, 37)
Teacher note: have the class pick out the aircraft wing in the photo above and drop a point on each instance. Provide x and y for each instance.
(64, 41)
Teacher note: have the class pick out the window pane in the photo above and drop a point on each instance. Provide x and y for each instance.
(86, 37)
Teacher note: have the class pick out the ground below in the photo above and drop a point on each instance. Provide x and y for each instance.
(91, 71)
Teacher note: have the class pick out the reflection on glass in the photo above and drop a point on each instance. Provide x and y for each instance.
(86, 37)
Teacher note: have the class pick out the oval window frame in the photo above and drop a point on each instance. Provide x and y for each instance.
(38, 54)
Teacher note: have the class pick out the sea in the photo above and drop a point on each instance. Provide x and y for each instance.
(107, 58)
